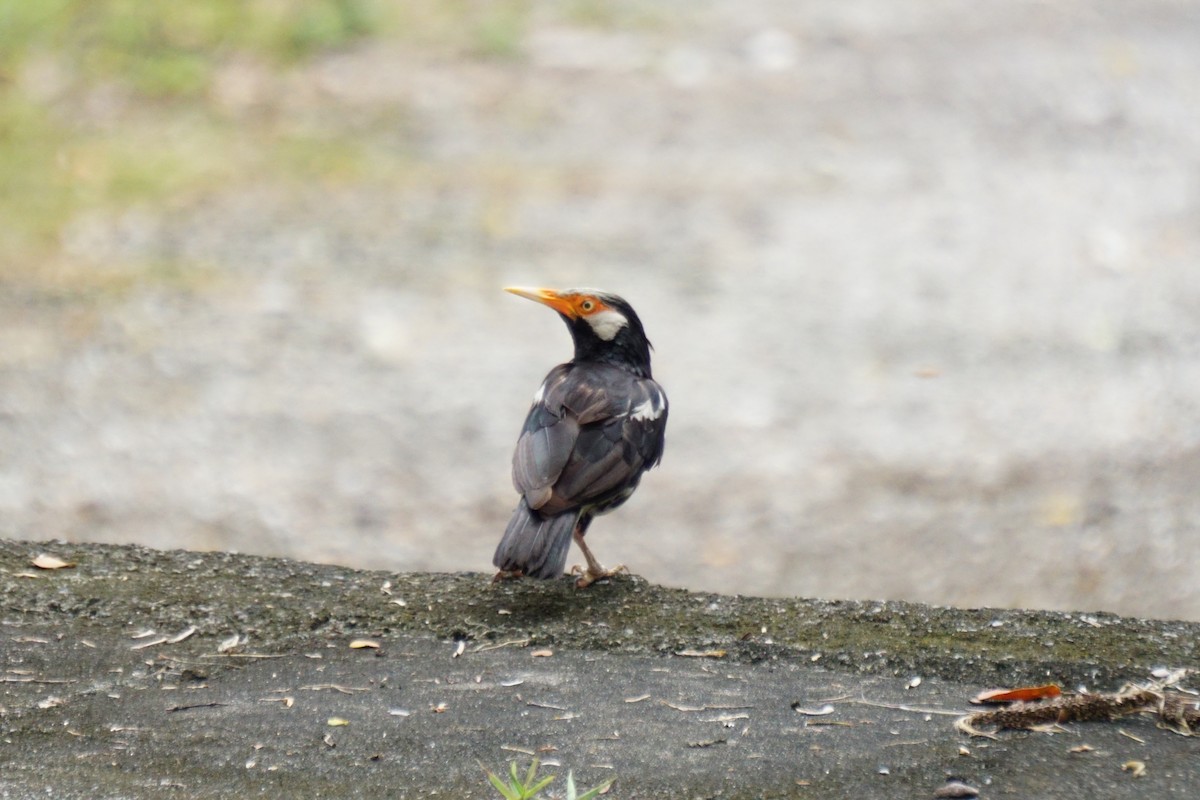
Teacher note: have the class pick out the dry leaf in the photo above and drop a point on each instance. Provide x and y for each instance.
(1083, 748)
(688, 709)
(47, 561)
(179, 637)
(1135, 768)
(1170, 677)
(337, 722)
(701, 653)
(1024, 694)
(359, 644)
(536, 704)
(813, 712)
(707, 743)
(229, 644)
(150, 643)
(514, 749)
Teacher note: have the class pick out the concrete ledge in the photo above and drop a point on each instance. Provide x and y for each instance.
(672, 693)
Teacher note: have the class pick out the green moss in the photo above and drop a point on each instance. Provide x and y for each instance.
(625, 615)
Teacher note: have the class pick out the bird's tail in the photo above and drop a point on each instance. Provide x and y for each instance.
(535, 545)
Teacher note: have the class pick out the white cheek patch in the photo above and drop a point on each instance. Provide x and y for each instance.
(607, 323)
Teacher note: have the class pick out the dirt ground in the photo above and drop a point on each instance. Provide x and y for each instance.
(922, 279)
(122, 679)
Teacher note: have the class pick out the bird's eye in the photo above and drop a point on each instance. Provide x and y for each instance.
(587, 305)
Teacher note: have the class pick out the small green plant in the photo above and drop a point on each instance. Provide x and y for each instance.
(529, 787)
(589, 794)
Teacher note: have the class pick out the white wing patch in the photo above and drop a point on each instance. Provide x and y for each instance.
(649, 409)
(607, 323)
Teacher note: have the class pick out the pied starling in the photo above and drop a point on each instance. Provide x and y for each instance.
(596, 425)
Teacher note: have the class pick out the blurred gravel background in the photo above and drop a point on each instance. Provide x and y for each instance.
(923, 280)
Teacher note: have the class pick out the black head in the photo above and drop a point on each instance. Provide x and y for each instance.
(605, 327)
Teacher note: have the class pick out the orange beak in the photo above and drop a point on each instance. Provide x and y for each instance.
(548, 297)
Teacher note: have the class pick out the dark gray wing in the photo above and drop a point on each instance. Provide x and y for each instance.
(546, 441)
(590, 434)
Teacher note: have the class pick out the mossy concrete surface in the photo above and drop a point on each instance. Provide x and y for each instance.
(121, 679)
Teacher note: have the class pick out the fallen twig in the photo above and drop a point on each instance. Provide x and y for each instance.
(1175, 711)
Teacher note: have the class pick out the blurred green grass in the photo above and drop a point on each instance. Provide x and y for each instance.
(107, 104)
(113, 104)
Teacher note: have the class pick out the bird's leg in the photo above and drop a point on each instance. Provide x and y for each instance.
(595, 570)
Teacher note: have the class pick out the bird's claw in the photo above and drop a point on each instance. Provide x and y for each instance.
(507, 575)
(589, 575)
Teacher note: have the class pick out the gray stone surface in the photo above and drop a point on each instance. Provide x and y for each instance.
(468, 675)
(922, 278)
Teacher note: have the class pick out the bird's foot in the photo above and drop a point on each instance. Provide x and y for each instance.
(507, 575)
(594, 572)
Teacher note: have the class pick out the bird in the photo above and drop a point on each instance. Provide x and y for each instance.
(597, 423)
